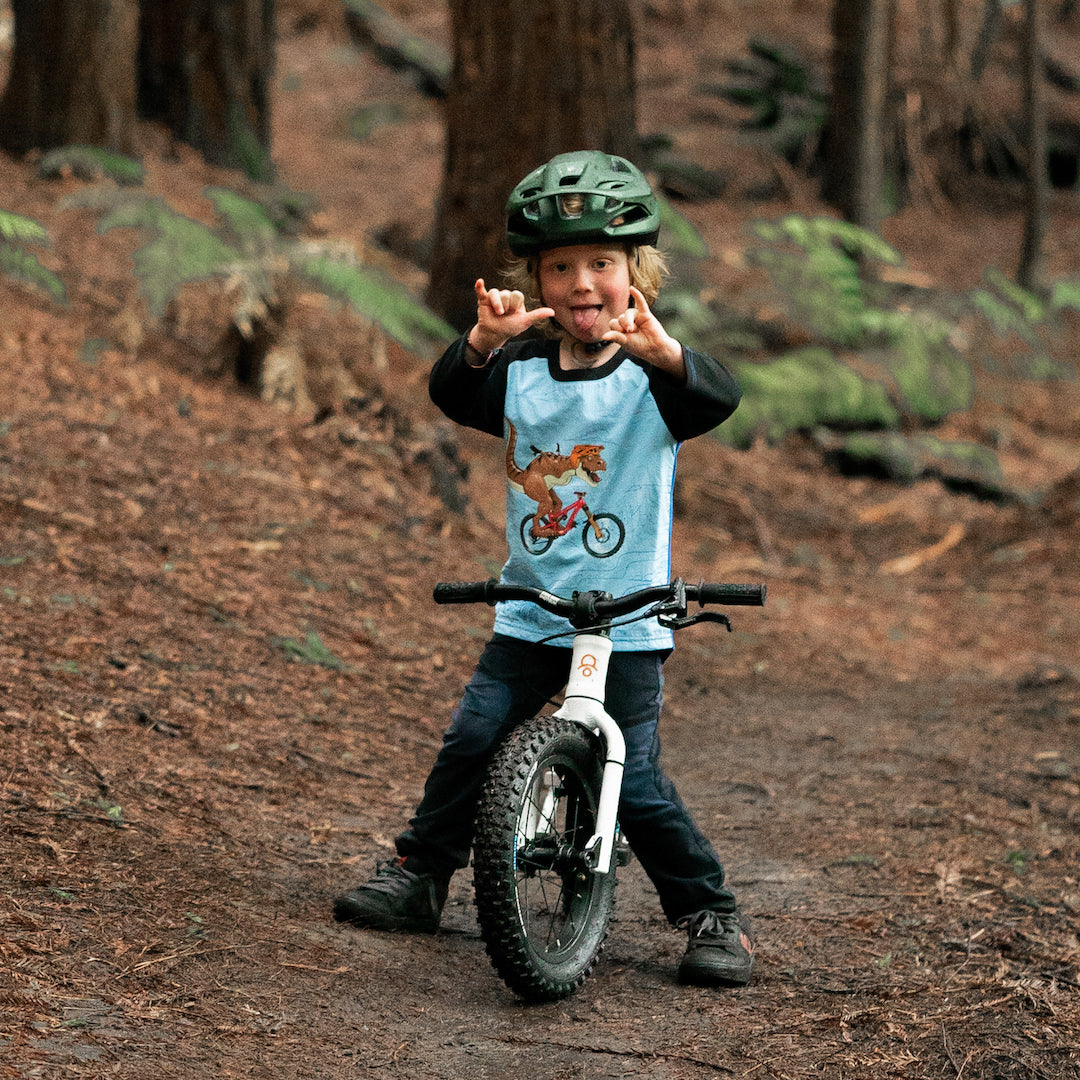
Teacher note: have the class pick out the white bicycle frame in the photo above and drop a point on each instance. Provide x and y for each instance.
(584, 704)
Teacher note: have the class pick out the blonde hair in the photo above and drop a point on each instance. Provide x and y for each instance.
(647, 266)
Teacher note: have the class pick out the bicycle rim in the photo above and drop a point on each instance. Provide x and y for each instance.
(543, 914)
(612, 534)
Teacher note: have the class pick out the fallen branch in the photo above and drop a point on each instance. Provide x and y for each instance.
(396, 46)
(906, 563)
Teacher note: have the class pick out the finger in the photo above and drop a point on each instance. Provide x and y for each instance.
(481, 290)
(539, 314)
(639, 303)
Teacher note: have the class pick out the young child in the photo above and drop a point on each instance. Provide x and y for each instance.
(604, 402)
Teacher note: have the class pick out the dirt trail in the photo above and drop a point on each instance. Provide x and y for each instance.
(222, 684)
(183, 797)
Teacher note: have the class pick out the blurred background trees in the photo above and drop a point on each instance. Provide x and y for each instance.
(84, 71)
(900, 110)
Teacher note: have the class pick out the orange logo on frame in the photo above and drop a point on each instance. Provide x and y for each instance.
(587, 667)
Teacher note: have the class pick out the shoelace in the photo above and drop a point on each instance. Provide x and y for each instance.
(390, 877)
(715, 924)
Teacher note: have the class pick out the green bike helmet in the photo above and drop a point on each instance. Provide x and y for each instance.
(616, 204)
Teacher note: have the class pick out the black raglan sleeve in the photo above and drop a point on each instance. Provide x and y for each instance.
(473, 397)
(706, 399)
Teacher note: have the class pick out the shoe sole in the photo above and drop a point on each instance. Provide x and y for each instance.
(368, 920)
(694, 975)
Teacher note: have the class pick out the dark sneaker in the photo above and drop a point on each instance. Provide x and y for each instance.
(720, 952)
(395, 899)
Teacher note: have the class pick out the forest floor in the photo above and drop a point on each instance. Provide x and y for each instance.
(222, 684)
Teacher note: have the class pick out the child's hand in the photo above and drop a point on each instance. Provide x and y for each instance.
(640, 332)
(501, 315)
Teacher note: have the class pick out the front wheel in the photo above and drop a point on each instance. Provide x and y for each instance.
(543, 913)
(603, 538)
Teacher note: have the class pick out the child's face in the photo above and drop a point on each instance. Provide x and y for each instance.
(588, 285)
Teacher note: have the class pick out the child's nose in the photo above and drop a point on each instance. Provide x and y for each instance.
(583, 280)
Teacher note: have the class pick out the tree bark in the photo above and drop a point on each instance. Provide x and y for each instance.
(72, 77)
(538, 80)
(205, 69)
(1031, 271)
(856, 130)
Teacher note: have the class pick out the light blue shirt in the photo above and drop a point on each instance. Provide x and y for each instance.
(612, 408)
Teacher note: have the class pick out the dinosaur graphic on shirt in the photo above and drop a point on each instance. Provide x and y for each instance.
(547, 470)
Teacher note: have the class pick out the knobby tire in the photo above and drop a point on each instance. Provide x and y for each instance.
(543, 915)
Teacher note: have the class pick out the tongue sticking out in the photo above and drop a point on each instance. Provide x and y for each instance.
(584, 319)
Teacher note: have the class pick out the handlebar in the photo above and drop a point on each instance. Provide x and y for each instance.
(584, 607)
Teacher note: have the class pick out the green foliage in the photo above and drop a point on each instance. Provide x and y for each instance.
(816, 263)
(1065, 295)
(251, 251)
(1018, 860)
(801, 391)
(963, 466)
(788, 102)
(681, 236)
(180, 249)
(930, 377)
(91, 163)
(1014, 311)
(23, 266)
(248, 150)
(822, 267)
(248, 222)
(309, 651)
(369, 291)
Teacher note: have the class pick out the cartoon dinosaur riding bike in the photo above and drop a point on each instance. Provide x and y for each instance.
(602, 534)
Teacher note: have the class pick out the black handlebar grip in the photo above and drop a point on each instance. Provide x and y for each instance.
(463, 592)
(733, 595)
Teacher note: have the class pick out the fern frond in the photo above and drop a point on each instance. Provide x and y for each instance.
(21, 230)
(1065, 294)
(376, 297)
(1027, 303)
(246, 220)
(26, 268)
(1003, 317)
(680, 233)
(181, 250)
(814, 262)
(91, 163)
(818, 234)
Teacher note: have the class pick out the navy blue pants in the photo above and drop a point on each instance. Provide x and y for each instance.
(513, 680)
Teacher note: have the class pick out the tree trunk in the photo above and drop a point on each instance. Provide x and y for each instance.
(856, 131)
(205, 69)
(538, 80)
(1036, 205)
(72, 77)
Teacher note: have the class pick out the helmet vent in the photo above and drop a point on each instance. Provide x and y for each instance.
(581, 197)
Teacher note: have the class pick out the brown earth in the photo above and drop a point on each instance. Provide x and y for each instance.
(886, 755)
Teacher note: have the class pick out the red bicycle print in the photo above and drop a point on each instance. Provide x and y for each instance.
(602, 534)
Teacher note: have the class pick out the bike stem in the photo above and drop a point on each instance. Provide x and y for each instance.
(584, 704)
